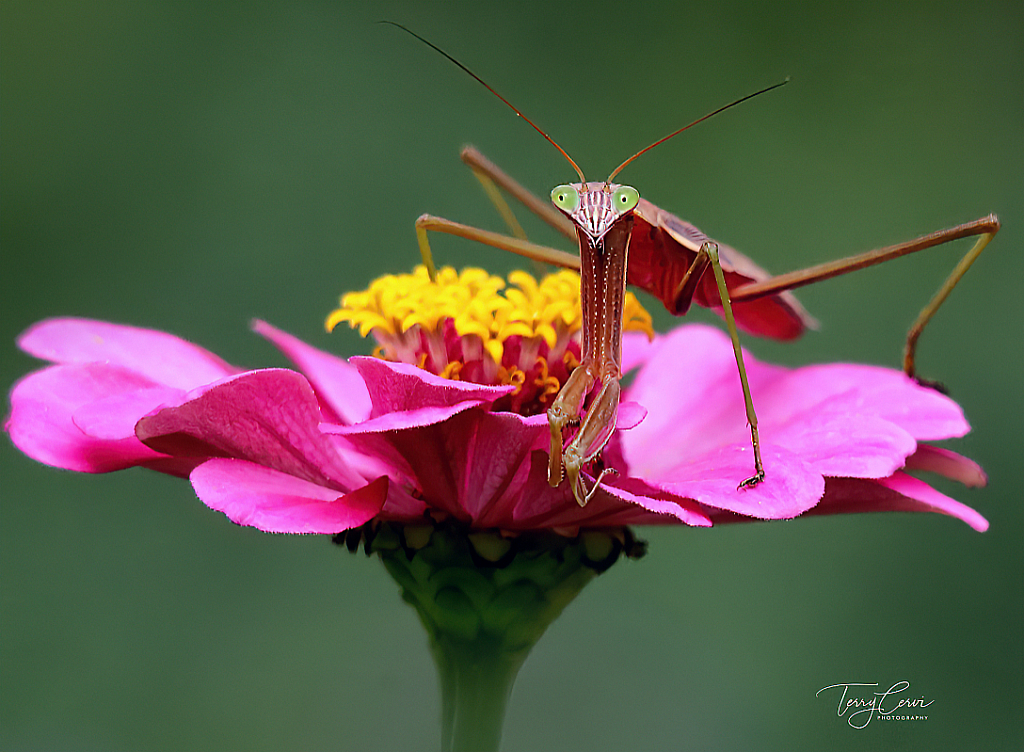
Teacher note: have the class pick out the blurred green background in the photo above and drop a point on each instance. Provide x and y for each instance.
(189, 165)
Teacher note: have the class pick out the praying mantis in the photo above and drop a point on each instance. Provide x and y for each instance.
(624, 239)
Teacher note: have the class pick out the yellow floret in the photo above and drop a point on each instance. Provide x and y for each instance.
(477, 303)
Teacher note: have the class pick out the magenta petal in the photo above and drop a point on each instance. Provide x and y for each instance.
(863, 390)
(270, 417)
(162, 357)
(336, 382)
(637, 349)
(900, 493)
(41, 421)
(472, 466)
(397, 387)
(423, 416)
(115, 417)
(691, 389)
(949, 464)
(630, 502)
(631, 415)
(931, 500)
(687, 514)
(276, 502)
(849, 445)
(489, 451)
(790, 487)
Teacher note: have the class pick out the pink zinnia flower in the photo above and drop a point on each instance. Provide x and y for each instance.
(449, 422)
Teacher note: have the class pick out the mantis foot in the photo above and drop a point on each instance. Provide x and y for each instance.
(752, 481)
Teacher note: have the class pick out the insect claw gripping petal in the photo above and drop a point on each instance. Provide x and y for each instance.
(752, 481)
(600, 477)
(579, 485)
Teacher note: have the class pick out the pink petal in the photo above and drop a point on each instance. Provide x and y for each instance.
(276, 502)
(336, 382)
(790, 487)
(631, 415)
(949, 464)
(931, 500)
(628, 502)
(900, 493)
(487, 451)
(397, 387)
(470, 466)
(163, 358)
(679, 509)
(637, 349)
(270, 417)
(846, 420)
(423, 416)
(845, 445)
(42, 425)
(115, 417)
(864, 390)
(691, 389)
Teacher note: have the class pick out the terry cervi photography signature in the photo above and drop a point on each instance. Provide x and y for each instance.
(860, 704)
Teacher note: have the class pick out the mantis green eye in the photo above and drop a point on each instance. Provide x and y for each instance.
(625, 199)
(566, 198)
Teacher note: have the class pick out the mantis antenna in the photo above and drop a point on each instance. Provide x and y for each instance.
(618, 169)
(488, 87)
(550, 140)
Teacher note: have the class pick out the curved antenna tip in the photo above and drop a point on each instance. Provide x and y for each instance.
(487, 86)
(765, 90)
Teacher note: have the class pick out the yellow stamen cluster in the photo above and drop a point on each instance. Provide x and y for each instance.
(473, 301)
(473, 326)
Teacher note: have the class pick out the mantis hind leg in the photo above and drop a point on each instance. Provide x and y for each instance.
(984, 229)
(929, 310)
(514, 228)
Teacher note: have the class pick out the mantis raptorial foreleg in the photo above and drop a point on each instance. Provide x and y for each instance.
(565, 412)
(595, 432)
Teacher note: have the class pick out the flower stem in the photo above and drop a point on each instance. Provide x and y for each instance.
(485, 599)
(476, 683)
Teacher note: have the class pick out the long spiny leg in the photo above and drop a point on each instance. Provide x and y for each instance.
(933, 305)
(986, 228)
(711, 250)
(428, 223)
(490, 176)
(514, 228)
(481, 165)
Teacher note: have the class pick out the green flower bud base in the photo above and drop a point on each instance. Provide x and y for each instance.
(485, 599)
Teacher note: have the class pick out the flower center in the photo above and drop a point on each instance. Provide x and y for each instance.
(474, 326)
